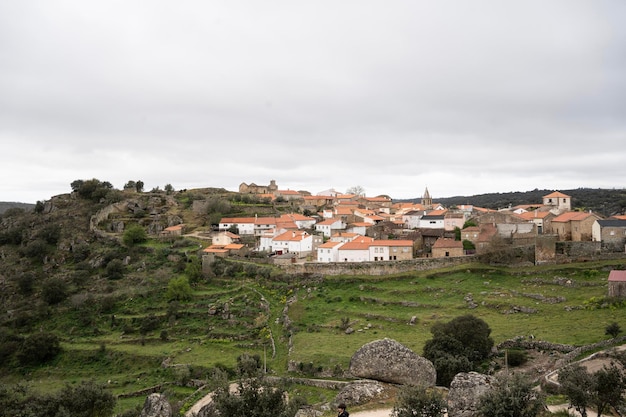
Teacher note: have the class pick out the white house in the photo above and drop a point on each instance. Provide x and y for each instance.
(299, 242)
(329, 225)
(355, 251)
(328, 252)
(433, 220)
(411, 219)
(248, 225)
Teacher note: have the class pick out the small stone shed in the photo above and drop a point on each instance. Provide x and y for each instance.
(617, 284)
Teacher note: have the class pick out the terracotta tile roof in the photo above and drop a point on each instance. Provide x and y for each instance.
(288, 192)
(571, 216)
(616, 275)
(361, 224)
(471, 229)
(296, 217)
(292, 236)
(330, 244)
(556, 194)
(619, 217)
(234, 246)
(329, 222)
(357, 244)
(529, 215)
(345, 211)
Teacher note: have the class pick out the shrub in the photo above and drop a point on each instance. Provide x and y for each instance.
(511, 396)
(419, 401)
(612, 329)
(115, 269)
(179, 289)
(134, 234)
(38, 348)
(54, 290)
(37, 249)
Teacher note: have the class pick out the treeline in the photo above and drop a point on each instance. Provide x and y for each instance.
(602, 201)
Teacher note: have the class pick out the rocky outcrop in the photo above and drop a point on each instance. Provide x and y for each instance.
(389, 361)
(156, 405)
(360, 392)
(465, 390)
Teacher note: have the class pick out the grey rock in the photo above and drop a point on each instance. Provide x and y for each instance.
(156, 405)
(389, 361)
(360, 392)
(465, 391)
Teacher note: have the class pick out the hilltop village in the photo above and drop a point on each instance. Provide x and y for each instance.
(331, 227)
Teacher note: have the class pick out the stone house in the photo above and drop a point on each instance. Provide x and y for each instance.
(617, 284)
(611, 233)
(452, 220)
(224, 238)
(173, 231)
(445, 247)
(574, 225)
(252, 188)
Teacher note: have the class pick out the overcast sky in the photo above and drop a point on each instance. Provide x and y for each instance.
(463, 97)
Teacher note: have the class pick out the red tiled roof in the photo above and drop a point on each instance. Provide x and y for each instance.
(556, 194)
(571, 216)
(616, 275)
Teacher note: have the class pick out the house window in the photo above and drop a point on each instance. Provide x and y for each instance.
(447, 253)
(612, 233)
(405, 250)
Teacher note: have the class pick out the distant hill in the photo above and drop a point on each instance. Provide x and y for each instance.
(4, 206)
(602, 201)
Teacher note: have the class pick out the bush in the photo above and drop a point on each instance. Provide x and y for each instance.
(511, 396)
(179, 289)
(419, 401)
(54, 290)
(38, 348)
(115, 269)
(134, 234)
(37, 249)
(612, 329)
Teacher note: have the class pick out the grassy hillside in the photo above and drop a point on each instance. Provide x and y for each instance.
(119, 320)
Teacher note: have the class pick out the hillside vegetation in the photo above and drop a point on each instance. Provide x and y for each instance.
(138, 314)
(603, 201)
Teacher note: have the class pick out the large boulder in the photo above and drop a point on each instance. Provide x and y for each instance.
(389, 361)
(465, 391)
(361, 392)
(156, 405)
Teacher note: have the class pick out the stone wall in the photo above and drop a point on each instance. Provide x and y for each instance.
(375, 268)
(578, 250)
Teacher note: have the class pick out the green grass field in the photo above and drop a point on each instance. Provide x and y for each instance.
(227, 317)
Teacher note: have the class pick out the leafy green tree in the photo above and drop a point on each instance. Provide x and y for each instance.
(254, 397)
(248, 366)
(115, 269)
(511, 396)
(38, 348)
(39, 207)
(169, 189)
(54, 290)
(415, 400)
(92, 189)
(36, 250)
(609, 388)
(179, 289)
(612, 329)
(133, 235)
(458, 346)
(139, 186)
(577, 385)
(87, 399)
(193, 269)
